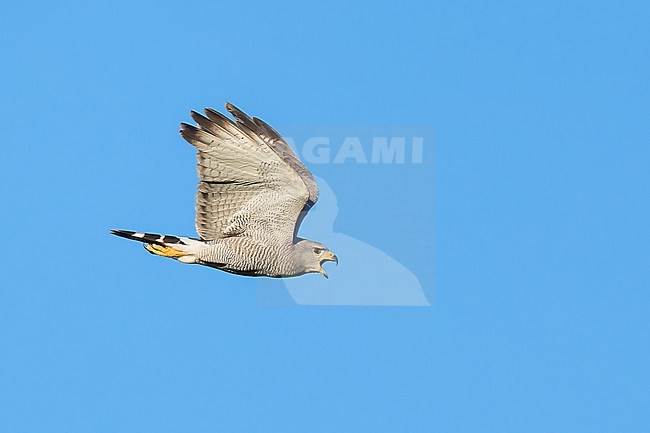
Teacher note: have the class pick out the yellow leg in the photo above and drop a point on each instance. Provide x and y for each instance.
(159, 250)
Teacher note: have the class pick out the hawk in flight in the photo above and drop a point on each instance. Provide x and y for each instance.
(253, 193)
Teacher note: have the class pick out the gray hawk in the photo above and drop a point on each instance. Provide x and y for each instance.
(252, 195)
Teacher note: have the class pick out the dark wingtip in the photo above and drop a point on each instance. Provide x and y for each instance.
(210, 110)
(196, 115)
(232, 109)
(187, 130)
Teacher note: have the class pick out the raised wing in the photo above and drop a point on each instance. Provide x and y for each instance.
(251, 183)
(274, 140)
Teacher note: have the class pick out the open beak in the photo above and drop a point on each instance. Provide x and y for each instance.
(328, 257)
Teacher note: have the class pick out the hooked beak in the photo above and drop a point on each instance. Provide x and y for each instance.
(328, 257)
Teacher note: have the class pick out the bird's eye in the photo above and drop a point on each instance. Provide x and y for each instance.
(318, 250)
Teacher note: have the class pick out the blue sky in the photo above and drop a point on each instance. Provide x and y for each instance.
(526, 223)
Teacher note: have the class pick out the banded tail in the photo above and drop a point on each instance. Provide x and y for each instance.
(179, 248)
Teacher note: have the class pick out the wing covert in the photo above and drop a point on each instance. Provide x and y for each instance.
(251, 181)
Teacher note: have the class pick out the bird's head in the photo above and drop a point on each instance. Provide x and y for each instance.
(311, 255)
